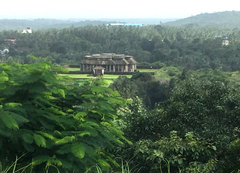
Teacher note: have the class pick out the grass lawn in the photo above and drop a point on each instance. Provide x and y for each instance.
(77, 75)
(165, 73)
(87, 76)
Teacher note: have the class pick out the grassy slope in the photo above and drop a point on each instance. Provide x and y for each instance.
(164, 74)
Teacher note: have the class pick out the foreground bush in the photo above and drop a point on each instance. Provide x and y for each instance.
(54, 122)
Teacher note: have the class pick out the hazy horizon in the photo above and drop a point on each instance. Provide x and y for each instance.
(107, 9)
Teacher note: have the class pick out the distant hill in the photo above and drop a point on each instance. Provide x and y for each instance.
(144, 21)
(20, 24)
(227, 18)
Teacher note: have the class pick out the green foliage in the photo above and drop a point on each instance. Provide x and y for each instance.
(125, 87)
(201, 101)
(177, 154)
(203, 108)
(192, 47)
(55, 121)
(207, 104)
(142, 85)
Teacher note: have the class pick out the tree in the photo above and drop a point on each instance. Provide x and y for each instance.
(176, 154)
(54, 121)
(208, 105)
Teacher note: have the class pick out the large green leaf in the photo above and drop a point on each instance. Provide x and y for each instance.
(66, 139)
(103, 163)
(13, 104)
(8, 120)
(40, 159)
(88, 132)
(47, 135)
(3, 77)
(78, 150)
(19, 118)
(39, 140)
(61, 91)
(28, 138)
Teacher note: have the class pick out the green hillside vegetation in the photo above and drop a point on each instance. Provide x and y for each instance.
(53, 127)
(226, 18)
(182, 117)
(173, 46)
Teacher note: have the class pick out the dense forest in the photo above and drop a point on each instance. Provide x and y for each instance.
(142, 124)
(189, 46)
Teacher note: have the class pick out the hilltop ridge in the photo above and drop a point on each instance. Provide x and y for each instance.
(19, 24)
(227, 18)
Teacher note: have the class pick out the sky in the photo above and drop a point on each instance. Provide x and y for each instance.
(97, 9)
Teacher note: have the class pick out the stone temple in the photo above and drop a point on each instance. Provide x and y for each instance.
(110, 62)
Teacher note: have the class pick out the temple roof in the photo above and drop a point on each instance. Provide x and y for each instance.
(108, 59)
(132, 61)
(98, 68)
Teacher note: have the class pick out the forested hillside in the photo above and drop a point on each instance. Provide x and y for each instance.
(189, 46)
(227, 19)
(143, 123)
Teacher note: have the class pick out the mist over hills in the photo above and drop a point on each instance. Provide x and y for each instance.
(19, 24)
(226, 18)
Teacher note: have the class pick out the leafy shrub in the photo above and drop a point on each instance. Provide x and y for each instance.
(188, 154)
(54, 120)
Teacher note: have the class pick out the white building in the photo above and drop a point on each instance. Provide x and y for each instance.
(28, 30)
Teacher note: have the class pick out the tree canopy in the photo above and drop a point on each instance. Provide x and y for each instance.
(54, 121)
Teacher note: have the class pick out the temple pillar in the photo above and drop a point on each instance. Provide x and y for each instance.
(122, 68)
(126, 68)
(83, 67)
(113, 68)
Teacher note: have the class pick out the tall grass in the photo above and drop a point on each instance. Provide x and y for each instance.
(13, 167)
